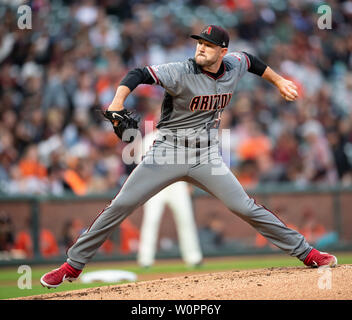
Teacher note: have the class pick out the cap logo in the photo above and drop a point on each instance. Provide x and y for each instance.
(208, 30)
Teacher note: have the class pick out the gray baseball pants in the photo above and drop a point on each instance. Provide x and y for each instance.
(204, 167)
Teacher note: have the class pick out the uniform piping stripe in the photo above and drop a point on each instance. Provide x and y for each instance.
(275, 215)
(209, 74)
(101, 212)
(109, 202)
(248, 62)
(259, 205)
(152, 73)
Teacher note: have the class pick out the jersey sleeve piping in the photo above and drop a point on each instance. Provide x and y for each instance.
(248, 61)
(154, 76)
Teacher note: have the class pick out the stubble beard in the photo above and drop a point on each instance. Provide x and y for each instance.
(204, 62)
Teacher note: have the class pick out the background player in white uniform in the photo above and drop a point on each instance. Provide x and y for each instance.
(178, 198)
(187, 148)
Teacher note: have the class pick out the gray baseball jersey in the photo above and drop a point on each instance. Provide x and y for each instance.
(193, 100)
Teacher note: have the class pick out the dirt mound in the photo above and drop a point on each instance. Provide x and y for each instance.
(268, 284)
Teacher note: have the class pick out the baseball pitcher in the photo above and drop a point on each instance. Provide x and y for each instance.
(196, 92)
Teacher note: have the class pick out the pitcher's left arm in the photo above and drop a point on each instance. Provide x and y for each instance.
(287, 88)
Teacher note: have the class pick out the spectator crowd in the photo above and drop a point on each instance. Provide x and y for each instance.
(56, 77)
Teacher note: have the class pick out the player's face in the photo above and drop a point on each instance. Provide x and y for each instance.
(208, 54)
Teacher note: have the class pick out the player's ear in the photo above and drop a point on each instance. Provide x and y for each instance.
(223, 52)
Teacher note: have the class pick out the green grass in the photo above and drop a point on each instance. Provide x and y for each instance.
(9, 276)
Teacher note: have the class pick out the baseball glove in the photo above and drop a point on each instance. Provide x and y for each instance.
(122, 121)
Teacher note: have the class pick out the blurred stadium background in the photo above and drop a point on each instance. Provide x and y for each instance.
(60, 164)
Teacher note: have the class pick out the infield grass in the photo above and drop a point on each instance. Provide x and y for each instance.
(9, 276)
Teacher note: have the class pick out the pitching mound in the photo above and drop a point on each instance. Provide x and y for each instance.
(273, 283)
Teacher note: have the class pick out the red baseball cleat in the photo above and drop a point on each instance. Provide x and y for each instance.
(316, 259)
(54, 278)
